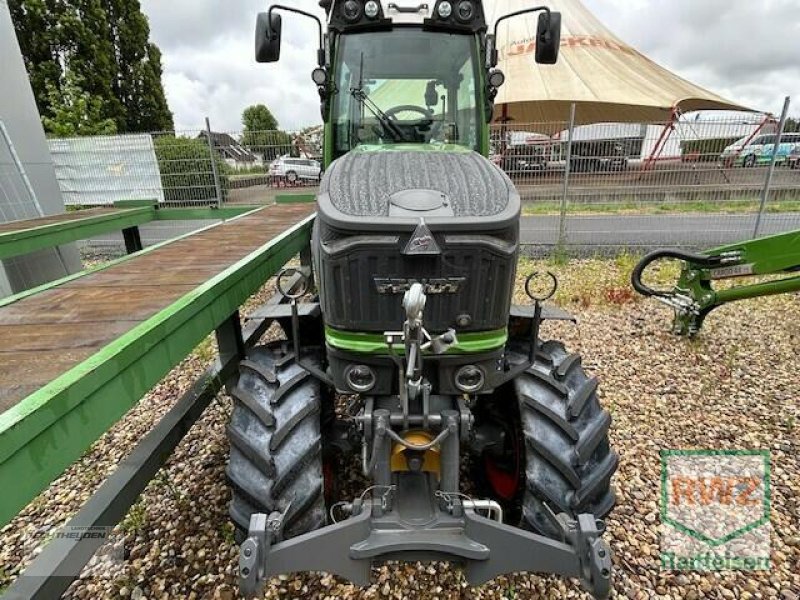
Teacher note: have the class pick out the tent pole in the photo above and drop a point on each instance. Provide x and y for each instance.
(662, 140)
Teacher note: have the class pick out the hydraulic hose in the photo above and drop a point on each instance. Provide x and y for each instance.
(701, 260)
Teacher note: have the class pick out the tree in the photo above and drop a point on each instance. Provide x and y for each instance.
(138, 84)
(75, 112)
(261, 134)
(258, 118)
(104, 45)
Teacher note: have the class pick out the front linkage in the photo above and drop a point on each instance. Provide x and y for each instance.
(693, 297)
(413, 514)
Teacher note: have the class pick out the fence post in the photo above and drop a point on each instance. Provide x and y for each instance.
(562, 232)
(217, 186)
(771, 170)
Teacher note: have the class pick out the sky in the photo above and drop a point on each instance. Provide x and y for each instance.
(747, 52)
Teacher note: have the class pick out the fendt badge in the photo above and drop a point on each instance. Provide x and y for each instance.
(392, 286)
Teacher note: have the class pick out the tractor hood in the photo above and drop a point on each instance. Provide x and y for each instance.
(384, 188)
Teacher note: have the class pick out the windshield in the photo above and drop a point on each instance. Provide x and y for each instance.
(406, 86)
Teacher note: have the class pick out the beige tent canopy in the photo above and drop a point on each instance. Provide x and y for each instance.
(609, 80)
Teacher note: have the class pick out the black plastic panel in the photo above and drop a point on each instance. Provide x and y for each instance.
(363, 278)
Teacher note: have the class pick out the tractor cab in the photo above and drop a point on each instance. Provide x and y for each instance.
(390, 74)
(406, 86)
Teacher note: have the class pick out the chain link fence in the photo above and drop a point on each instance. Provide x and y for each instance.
(695, 181)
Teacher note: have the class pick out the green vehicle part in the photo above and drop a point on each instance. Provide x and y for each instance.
(51, 428)
(694, 295)
(370, 343)
(23, 237)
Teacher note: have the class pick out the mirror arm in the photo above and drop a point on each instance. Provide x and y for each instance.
(321, 51)
(518, 13)
(491, 39)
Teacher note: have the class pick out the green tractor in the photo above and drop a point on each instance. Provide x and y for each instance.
(411, 356)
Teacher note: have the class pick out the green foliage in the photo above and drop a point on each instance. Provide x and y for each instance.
(139, 69)
(261, 135)
(258, 118)
(103, 45)
(136, 518)
(75, 111)
(186, 173)
(706, 150)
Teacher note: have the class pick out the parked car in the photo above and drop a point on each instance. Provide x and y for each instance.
(794, 158)
(525, 159)
(761, 149)
(598, 156)
(731, 153)
(296, 169)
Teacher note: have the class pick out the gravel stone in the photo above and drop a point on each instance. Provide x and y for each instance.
(734, 387)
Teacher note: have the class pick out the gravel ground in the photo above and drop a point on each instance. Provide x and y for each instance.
(735, 387)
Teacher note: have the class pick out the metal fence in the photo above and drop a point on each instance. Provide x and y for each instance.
(698, 180)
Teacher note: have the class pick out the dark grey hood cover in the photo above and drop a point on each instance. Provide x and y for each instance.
(361, 184)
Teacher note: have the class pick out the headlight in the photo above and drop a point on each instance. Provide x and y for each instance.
(465, 11)
(360, 378)
(371, 9)
(470, 379)
(445, 9)
(352, 10)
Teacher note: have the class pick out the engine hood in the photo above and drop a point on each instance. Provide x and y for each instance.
(451, 186)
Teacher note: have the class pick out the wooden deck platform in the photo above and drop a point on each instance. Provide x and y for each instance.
(67, 217)
(47, 334)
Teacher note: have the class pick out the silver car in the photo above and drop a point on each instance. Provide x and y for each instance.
(296, 169)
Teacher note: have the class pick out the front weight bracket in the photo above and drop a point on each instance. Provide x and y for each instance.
(263, 532)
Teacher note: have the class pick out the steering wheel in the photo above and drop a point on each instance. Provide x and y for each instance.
(427, 115)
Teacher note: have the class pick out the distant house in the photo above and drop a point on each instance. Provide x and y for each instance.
(232, 152)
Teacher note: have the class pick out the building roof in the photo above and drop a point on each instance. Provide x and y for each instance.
(608, 79)
(228, 147)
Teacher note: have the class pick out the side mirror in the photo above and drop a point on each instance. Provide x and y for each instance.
(268, 37)
(548, 38)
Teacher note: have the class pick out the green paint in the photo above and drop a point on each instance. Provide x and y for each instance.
(50, 429)
(373, 343)
(134, 203)
(768, 254)
(764, 256)
(295, 198)
(31, 239)
(202, 214)
(481, 78)
(408, 147)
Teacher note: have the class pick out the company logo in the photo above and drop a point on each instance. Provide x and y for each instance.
(715, 507)
(528, 46)
(422, 242)
(392, 286)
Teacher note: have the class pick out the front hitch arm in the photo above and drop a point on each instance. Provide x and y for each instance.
(693, 297)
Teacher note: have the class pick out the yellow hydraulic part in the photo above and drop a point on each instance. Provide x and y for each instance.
(431, 463)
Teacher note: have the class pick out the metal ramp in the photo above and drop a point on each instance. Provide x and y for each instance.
(77, 354)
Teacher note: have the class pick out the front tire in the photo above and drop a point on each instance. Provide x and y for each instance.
(568, 458)
(275, 442)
